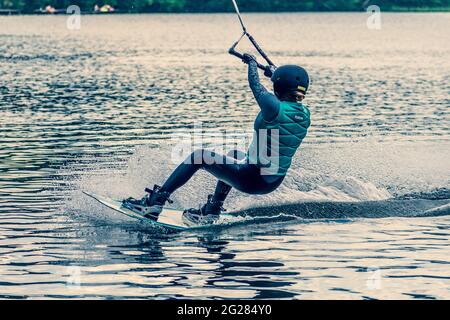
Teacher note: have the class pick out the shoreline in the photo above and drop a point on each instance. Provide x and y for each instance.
(13, 12)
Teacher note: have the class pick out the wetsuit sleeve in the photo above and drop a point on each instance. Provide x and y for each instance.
(268, 102)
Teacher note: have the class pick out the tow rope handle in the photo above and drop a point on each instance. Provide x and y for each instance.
(260, 50)
(268, 70)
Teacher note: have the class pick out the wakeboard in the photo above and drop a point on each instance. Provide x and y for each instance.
(171, 219)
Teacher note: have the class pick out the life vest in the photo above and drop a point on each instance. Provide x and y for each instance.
(276, 143)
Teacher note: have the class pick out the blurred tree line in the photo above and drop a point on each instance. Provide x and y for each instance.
(226, 5)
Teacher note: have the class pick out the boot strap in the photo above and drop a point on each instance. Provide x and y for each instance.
(149, 191)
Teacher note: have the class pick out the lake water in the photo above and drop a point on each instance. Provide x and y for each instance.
(95, 109)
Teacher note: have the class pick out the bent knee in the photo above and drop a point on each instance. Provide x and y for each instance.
(196, 157)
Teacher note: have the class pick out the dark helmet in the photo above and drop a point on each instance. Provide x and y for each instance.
(290, 79)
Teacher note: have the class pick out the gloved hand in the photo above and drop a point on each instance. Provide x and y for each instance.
(248, 57)
(269, 71)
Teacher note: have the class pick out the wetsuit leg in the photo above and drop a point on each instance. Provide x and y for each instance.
(219, 166)
(241, 176)
(222, 189)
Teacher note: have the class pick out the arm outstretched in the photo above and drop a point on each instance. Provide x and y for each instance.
(268, 102)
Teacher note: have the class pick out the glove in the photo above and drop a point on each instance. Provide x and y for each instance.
(248, 58)
(269, 71)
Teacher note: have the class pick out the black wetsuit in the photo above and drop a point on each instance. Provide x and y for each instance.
(241, 175)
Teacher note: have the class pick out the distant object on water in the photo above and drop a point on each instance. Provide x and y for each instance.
(8, 12)
(50, 10)
(106, 9)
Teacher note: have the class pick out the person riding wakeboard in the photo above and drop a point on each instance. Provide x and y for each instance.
(283, 113)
